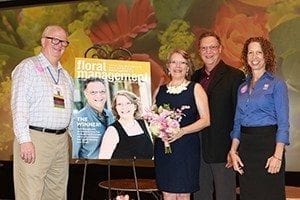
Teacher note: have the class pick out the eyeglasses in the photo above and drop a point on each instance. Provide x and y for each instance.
(56, 41)
(174, 62)
(212, 48)
(102, 92)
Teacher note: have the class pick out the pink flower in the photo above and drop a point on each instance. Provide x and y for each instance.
(164, 121)
(122, 197)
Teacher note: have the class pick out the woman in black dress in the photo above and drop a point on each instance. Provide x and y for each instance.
(127, 137)
(177, 173)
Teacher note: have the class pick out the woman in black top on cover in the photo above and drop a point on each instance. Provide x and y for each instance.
(128, 137)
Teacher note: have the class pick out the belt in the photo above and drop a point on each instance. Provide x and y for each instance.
(48, 130)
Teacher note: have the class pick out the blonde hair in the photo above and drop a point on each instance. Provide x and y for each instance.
(187, 57)
(132, 98)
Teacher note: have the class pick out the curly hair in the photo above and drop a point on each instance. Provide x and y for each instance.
(187, 57)
(268, 53)
(132, 98)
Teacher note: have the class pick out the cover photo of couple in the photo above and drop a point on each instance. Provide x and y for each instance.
(110, 99)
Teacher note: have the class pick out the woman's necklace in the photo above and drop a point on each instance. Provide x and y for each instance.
(177, 89)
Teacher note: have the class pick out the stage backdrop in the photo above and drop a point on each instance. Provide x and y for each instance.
(150, 28)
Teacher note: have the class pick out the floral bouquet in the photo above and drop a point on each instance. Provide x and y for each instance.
(164, 121)
(122, 197)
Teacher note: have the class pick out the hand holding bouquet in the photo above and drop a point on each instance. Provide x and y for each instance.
(163, 122)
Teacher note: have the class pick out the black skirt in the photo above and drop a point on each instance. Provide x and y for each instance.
(257, 144)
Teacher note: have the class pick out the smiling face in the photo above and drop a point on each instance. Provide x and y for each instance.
(124, 107)
(53, 52)
(178, 66)
(210, 51)
(95, 94)
(255, 57)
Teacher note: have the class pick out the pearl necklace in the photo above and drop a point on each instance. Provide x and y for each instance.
(177, 89)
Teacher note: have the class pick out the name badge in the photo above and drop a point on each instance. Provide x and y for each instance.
(266, 86)
(59, 101)
(244, 89)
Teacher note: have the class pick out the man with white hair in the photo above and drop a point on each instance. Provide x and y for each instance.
(41, 103)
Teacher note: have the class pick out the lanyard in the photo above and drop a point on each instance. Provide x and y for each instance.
(58, 73)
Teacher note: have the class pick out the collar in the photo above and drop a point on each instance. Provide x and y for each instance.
(219, 65)
(266, 75)
(47, 63)
(94, 111)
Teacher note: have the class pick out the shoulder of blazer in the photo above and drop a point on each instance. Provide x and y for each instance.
(226, 73)
(224, 68)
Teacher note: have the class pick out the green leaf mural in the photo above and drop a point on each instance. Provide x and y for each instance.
(279, 36)
(177, 35)
(202, 12)
(287, 50)
(168, 10)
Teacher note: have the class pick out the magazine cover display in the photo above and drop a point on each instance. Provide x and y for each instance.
(109, 100)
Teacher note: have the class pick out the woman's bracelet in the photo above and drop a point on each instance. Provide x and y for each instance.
(277, 158)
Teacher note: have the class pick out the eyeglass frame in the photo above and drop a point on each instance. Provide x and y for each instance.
(64, 43)
(174, 62)
(211, 47)
(95, 92)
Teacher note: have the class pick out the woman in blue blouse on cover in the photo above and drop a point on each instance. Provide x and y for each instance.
(261, 127)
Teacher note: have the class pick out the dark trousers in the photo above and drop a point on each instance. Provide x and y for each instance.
(215, 178)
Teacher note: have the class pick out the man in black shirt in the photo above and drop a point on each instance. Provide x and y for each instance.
(220, 82)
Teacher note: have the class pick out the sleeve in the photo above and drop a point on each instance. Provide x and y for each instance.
(281, 103)
(22, 89)
(236, 131)
(71, 81)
